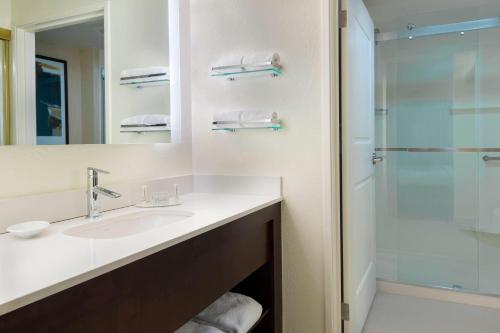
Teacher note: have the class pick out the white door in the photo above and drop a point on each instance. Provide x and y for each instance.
(358, 129)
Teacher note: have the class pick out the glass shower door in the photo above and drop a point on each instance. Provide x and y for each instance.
(430, 129)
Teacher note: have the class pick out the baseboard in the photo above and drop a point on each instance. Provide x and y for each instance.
(439, 294)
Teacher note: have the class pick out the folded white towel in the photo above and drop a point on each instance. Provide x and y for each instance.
(249, 60)
(227, 116)
(262, 58)
(231, 313)
(258, 116)
(144, 120)
(146, 71)
(193, 327)
(247, 118)
(229, 60)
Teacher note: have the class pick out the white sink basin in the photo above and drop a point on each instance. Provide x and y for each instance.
(127, 225)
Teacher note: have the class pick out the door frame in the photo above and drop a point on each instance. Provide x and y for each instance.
(331, 142)
(336, 245)
(332, 21)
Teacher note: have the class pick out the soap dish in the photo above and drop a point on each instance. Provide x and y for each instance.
(28, 229)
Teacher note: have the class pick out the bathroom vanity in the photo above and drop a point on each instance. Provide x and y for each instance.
(152, 282)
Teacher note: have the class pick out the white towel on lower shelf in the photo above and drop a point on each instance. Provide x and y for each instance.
(247, 118)
(144, 120)
(231, 313)
(194, 327)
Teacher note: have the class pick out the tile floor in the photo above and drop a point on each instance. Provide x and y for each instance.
(392, 313)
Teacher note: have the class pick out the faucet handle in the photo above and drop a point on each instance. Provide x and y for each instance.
(96, 170)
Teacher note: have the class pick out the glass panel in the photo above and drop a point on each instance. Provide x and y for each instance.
(437, 210)
(488, 122)
(421, 84)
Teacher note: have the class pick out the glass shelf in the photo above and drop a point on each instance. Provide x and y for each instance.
(147, 84)
(233, 72)
(274, 127)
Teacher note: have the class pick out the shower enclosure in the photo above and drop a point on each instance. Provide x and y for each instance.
(438, 128)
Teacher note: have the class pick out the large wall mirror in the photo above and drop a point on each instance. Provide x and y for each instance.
(102, 76)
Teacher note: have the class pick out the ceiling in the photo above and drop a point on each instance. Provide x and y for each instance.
(395, 15)
(83, 35)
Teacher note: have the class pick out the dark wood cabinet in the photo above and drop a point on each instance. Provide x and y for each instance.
(163, 291)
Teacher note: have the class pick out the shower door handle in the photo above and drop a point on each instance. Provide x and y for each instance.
(376, 159)
(487, 158)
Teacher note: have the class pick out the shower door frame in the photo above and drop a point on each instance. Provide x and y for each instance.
(437, 292)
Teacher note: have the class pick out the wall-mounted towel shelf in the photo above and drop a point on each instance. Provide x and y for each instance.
(248, 119)
(270, 67)
(144, 129)
(146, 84)
(233, 127)
(145, 77)
(233, 72)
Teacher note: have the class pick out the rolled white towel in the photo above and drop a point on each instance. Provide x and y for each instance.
(146, 71)
(262, 58)
(147, 120)
(250, 59)
(231, 313)
(231, 116)
(258, 116)
(194, 327)
(247, 118)
(229, 60)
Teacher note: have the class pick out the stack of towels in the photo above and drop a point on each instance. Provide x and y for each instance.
(232, 313)
(247, 118)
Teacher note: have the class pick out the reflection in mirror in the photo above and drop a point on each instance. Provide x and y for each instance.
(97, 78)
(69, 84)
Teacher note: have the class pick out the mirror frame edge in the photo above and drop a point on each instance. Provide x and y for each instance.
(5, 36)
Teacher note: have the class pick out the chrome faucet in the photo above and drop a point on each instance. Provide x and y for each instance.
(93, 191)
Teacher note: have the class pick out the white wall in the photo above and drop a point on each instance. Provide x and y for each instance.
(5, 8)
(292, 28)
(31, 11)
(27, 170)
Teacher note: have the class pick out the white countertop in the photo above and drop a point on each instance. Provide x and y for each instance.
(32, 269)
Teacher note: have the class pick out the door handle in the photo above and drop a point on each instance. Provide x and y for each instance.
(376, 159)
(487, 158)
